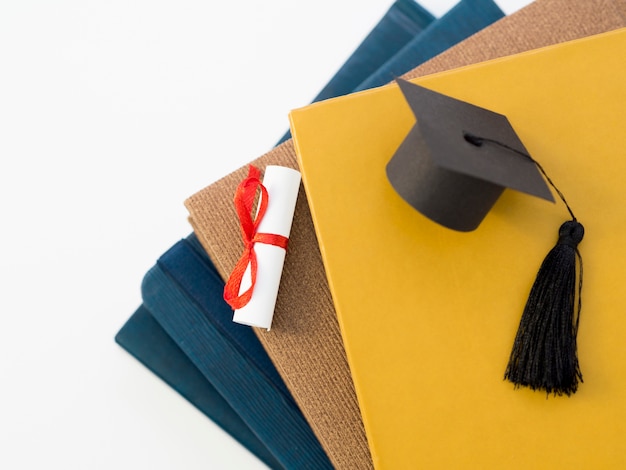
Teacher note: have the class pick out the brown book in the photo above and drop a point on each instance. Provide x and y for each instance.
(305, 341)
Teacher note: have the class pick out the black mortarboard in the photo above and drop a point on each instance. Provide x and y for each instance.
(452, 167)
(443, 170)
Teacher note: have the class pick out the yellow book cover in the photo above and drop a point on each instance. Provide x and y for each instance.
(428, 315)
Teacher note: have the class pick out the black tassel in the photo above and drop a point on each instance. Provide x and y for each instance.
(544, 355)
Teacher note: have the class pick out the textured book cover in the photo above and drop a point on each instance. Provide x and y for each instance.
(182, 294)
(428, 314)
(144, 338)
(305, 341)
(465, 18)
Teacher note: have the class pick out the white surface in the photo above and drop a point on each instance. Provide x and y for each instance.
(282, 186)
(111, 114)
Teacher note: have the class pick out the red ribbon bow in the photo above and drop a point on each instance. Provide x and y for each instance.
(244, 200)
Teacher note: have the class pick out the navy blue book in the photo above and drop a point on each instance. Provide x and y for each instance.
(183, 294)
(147, 341)
(404, 21)
(461, 21)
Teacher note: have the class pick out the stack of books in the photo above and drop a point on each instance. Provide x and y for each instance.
(391, 333)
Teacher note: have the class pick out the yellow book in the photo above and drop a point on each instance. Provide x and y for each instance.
(428, 315)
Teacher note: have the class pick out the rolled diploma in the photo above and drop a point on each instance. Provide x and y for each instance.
(282, 186)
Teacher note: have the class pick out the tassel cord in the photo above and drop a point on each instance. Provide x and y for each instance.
(478, 141)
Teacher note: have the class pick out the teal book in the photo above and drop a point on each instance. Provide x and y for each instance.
(183, 294)
(144, 338)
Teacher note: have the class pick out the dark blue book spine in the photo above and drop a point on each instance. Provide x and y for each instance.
(461, 21)
(185, 297)
(146, 340)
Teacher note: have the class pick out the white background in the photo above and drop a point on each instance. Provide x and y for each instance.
(111, 114)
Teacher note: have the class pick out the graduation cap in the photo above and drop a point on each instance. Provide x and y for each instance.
(452, 167)
(441, 171)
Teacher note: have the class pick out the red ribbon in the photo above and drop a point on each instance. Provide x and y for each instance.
(244, 200)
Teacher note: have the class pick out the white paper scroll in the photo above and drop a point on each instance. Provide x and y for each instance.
(282, 186)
